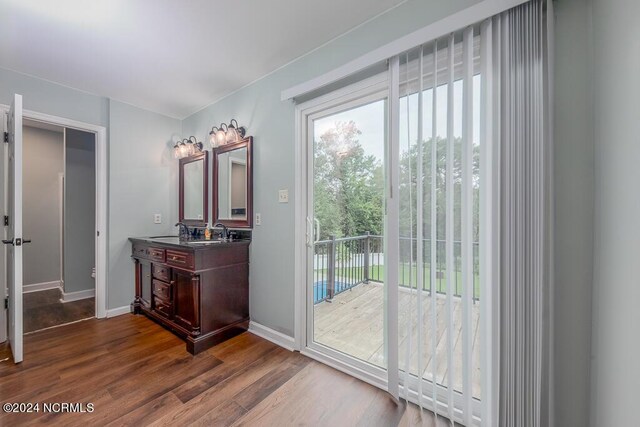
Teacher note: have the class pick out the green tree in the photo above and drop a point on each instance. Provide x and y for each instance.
(348, 184)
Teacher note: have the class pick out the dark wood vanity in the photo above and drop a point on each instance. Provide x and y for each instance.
(200, 288)
(200, 291)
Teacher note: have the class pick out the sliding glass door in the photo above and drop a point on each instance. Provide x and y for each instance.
(394, 189)
(346, 290)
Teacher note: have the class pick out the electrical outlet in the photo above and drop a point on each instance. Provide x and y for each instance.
(258, 219)
(157, 218)
(283, 196)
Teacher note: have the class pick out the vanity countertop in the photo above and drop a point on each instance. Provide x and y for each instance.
(175, 241)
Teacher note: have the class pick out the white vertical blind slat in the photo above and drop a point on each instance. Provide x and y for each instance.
(391, 242)
(467, 221)
(434, 229)
(489, 218)
(420, 224)
(409, 337)
(449, 224)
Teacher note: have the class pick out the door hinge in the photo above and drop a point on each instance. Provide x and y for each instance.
(6, 303)
(6, 137)
(6, 220)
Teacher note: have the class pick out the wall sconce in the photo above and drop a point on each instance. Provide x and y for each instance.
(226, 134)
(187, 148)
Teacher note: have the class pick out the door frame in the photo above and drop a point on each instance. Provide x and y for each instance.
(364, 89)
(102, 187)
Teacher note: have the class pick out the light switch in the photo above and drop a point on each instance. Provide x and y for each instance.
(283, 196)
(258, 219)
(157, 218)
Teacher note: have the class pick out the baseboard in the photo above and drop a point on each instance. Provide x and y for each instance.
(119, 311)
(78, 295)
(274, 336)
(34, 287)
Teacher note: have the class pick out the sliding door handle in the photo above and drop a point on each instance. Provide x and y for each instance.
(309, 232)
(16, 242)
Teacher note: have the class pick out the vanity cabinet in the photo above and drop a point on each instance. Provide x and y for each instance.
(200, 292)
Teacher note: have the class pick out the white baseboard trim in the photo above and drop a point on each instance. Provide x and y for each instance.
(34, 287)
(118, 311)
(284, 341)
(78, 295)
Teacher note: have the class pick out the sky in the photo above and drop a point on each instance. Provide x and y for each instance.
(369, 118)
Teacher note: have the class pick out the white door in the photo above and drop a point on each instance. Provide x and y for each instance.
(14, 239)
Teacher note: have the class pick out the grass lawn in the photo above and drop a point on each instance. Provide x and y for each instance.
(407, 275)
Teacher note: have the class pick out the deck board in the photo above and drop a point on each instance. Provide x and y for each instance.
(353, 323)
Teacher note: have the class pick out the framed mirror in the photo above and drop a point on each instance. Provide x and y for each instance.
(194, 189)
(233, 184)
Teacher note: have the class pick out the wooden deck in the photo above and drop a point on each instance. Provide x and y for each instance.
(353, 323)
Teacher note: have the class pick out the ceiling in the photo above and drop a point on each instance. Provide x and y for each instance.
(168, 56)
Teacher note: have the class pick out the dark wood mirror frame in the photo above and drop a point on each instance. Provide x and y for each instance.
(248, 222)
(205, 193)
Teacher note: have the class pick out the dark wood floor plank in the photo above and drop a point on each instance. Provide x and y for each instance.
(137, 373)
(149, 412)
(221, 416)
(226, 390)
(265, 386)
(245, 357)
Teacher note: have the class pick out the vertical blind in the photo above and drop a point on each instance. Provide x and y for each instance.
(440, 295)
(475, 222)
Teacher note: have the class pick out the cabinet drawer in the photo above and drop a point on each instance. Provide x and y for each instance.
(162, 307)
(162, 290)
(179, 259)
(161, 272)
(140, 251)
(156, 254)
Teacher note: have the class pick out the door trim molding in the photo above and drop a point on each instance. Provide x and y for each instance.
(102, 187)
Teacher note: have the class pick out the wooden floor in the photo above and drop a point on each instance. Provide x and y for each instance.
(43, 309)
(353, 323)
(135, 372)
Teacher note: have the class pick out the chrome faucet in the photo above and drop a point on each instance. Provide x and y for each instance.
(184, 230)
(224, 235)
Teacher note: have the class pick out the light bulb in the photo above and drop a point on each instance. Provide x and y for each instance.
(221, 137)
(232, 134)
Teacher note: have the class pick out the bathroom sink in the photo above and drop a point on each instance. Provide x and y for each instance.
(203, 242)
(163, 237)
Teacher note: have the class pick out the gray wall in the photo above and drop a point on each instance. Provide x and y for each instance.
(80, 211)
(143, 180)
(616, 329)
(574, 186)
(271, 122)
(50, 98)
(142, 173)
(43, 161)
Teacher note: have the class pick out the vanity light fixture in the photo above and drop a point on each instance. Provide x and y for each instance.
(187, 147)
(223, 134)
